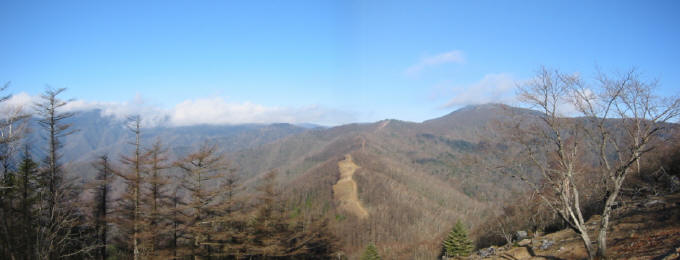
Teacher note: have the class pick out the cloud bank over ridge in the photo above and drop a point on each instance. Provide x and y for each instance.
(211, 111)
(492, 88)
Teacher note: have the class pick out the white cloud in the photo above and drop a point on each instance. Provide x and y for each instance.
(16, 105)
(219, 111)
(496, 88)
(151, 115)
(23, 100)
(213, 111)
(438, 59)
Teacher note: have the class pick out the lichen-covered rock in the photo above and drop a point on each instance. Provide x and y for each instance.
(545, 244)
(487, 252)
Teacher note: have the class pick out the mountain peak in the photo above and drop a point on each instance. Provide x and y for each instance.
(487, 106)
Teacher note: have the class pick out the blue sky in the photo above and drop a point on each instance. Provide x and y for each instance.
(327, 62)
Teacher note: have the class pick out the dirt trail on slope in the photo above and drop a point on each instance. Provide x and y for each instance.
(345, 190)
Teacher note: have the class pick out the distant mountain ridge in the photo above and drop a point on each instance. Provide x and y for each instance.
(97, 134)
(413, 179)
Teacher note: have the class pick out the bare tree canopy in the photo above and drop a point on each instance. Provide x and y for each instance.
(620, 117)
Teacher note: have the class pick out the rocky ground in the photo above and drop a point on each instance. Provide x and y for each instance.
(644, 228)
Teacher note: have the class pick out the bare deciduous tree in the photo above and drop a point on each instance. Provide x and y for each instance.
(13, 127)
(621, 116)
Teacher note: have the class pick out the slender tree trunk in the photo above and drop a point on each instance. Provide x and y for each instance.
(588, 244)
(175, 223)
(53, 163)
(154, 214)
(137, 196)
(103, 210)
(604, 222)
(26, 216)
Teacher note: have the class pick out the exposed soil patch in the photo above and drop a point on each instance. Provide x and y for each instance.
(345, 190)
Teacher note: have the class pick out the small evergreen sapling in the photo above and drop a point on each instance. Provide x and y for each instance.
(371, 253)
(457, 242)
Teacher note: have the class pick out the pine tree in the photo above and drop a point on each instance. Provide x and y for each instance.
(457, 242)
(26, 186)
(371, 253)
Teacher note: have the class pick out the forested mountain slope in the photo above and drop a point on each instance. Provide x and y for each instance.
(414, 180)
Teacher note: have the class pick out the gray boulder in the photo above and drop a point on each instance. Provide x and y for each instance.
(545, 244)
(487, 252)
(520, 235)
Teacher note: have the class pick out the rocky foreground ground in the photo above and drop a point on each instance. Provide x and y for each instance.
(644, 228)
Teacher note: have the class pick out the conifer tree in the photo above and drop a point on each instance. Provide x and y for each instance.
(130, 212)
(311, 239)
(157, 199)
(229, 237)
(59, 215)
(53, 122)
(102, 206)
(200, 172)
(267, 229)
(371, 253)
(457, 242)
(26, 185)
(177, 222)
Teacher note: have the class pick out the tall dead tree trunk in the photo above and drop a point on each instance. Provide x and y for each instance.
(60, 215)
(131, 210)
(102, 207)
